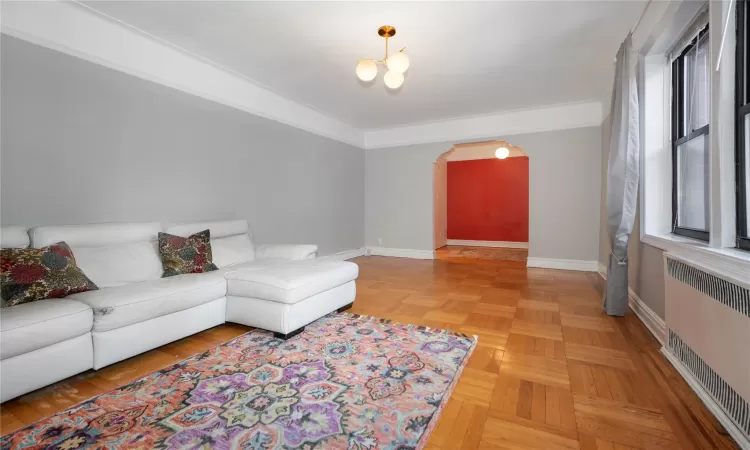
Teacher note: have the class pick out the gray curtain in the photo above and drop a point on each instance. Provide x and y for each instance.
(622, 177)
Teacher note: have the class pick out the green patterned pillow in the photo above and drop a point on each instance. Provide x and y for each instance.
(181, 255)
(28, 274)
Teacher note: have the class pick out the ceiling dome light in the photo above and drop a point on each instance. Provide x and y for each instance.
(399, 62)
(367, 70)
(502, 153)
(393, 80)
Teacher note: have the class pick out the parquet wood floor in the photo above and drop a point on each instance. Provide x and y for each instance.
(550, 371)
(464, 251)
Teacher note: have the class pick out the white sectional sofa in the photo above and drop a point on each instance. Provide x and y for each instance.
(280, 288)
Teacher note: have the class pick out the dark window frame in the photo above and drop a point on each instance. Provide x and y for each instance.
(742, 108)
(680, 136)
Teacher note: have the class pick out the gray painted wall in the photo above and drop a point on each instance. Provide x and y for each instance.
(564, 187)
(651, 278)
(646, 269)
(82, 143)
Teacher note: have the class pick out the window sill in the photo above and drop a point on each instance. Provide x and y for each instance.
(729, 262)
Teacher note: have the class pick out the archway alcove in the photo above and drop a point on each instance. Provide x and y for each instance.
(481, 202)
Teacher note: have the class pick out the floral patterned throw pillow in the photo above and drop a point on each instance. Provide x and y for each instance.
(28, 274)
(181, 255)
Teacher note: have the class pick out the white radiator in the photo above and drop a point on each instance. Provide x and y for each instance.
(708, 323)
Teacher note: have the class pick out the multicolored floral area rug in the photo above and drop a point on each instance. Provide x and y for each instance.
(348, 382)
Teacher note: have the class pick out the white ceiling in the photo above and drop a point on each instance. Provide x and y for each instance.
(467, 58)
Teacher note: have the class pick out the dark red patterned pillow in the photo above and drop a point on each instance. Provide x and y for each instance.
(181, 255)
(28, 274)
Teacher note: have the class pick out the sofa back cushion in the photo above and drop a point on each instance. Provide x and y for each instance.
(231, 242)
(13, 237)
(110, 254)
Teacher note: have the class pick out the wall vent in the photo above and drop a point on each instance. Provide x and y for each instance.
(735, 406)
(730, 294)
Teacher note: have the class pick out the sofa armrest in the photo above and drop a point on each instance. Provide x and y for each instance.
(293, 252)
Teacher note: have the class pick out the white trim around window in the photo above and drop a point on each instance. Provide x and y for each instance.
(719, 254)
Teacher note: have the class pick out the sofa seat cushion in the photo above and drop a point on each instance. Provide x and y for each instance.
(31, 326)
(290, 282)
(120, 306)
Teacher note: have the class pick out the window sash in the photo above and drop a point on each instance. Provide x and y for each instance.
(682, 131)
(742, 87)
(677, 227)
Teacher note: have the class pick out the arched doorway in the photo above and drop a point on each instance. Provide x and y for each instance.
(481, 202)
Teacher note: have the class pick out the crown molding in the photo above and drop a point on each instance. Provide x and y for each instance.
(558, 117)
(76, 30)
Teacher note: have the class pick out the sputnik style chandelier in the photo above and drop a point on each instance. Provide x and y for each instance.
(397, 64)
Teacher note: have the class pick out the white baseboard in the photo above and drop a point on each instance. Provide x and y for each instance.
(346, 254)
(711, 405)
(503, 244)
(401, 252)
(653, 322)
(650, 319)
(563, 264)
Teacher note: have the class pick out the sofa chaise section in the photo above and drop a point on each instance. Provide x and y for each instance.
(284, 299)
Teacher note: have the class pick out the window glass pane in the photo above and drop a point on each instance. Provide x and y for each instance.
(747, 174)
(696, 62)
(692, 183)
(746, 51)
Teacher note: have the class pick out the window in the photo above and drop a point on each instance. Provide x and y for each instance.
(673, 189)
(690, 139)
(742, 128)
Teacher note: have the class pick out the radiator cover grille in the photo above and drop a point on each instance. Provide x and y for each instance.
(721, 290)
(733, 404)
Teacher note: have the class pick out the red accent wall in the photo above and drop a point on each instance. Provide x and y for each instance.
(488, 199)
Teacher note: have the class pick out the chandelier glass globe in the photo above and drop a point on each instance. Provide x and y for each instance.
(502, 153)
(393, 80)
(367, 70)
(399, 62)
